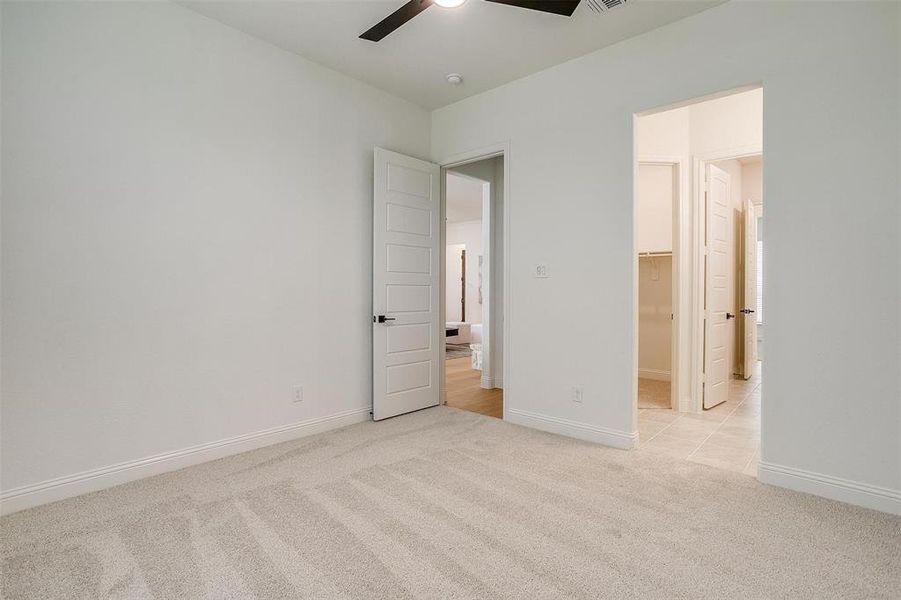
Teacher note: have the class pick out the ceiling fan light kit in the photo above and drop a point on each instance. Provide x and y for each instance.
(449, 3)
(412, 8)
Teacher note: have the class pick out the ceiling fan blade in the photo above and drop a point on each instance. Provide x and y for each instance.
(557, 7)
(395, 20)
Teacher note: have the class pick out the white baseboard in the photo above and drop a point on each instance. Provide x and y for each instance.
(835, 488)
(97, 479)
(655, 374)
(574, 429)
(489, 383)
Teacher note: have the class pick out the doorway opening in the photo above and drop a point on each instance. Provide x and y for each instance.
(656, 204)
(698, 200)
(473, 286)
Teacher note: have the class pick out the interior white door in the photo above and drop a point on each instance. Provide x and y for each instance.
(716, 364)
(405, 285)
(749, 314)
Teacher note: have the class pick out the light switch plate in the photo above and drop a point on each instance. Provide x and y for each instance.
(578, 392)
(541, 271)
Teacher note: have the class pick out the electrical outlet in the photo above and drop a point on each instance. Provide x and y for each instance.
(298, 393)
(541, 270)
(577, 393)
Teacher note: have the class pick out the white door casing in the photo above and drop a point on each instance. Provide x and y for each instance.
(716, 336)
(749, 305)
(405, 285)
(453, 281)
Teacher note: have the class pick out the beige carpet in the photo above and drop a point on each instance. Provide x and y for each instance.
(449, 504)
(653, 393)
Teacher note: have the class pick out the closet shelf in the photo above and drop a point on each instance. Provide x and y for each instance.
(652, 254)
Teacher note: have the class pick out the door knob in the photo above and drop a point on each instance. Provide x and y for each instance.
(382, 319)
(729, 316)
(746, 311)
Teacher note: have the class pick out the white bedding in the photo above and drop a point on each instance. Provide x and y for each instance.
(465, 329)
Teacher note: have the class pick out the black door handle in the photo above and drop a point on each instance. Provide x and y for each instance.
(382, 319)
(746, 311)
(729, 316)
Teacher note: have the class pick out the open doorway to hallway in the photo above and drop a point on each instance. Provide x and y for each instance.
(473, 286)
(698, 200)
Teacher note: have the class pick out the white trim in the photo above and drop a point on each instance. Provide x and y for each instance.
(698, 275)
(455, 160)
(835, 488)
(699, 99)
(93, 480)
(655, 374)
(490, 383)
(487, 283)
(574, 429)
(472, 222)
(731, 153)
(680, 364)
(483, 153)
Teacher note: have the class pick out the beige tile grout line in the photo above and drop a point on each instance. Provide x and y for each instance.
(680, 416)
(662, 430)
(750, 460)
(721, 423)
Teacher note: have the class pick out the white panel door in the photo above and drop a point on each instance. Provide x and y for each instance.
(405, 285)
(749, 314)
(716, 330)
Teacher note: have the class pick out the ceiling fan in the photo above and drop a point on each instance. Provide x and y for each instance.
(414, 7)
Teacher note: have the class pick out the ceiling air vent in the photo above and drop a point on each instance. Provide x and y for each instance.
(600, 6)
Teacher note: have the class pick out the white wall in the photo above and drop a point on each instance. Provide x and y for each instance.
(715, 129)
(469, 234)
(186, 226)
(752, 182)
(831, 410)
(464, 198)
(665, 134)
(655, 325)
(654, 195)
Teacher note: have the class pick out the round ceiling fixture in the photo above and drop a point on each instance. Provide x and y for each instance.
(449, 3)
(455, 79)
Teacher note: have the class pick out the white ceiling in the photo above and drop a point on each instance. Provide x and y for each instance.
(464, 198)
(489, 44)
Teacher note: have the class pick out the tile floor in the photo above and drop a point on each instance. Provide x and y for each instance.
(726, 436)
